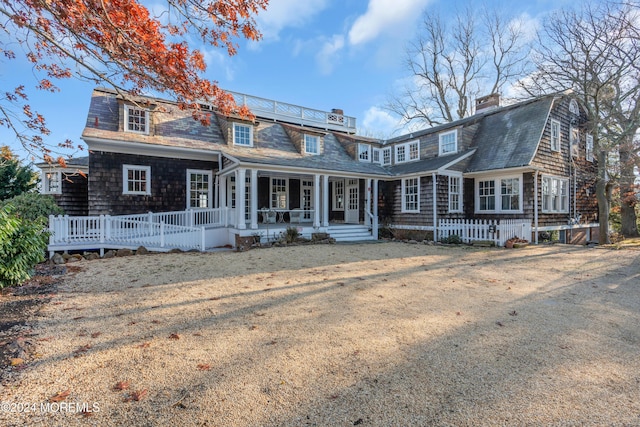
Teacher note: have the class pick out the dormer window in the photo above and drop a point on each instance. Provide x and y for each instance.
(364, 152)
(311, 144)
(573, 108)
(136, 119)
(386, 156)
(448, 142)
(242, 135)
(407, 152)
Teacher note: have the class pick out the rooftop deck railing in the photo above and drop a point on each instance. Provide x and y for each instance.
(334, 120)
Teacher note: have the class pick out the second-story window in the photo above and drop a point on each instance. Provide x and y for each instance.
(589, 148)
(386, 156)
(555, 135)
(136, 119)
(242, 135)
(311, 144)
(448, 142)
(364, 152)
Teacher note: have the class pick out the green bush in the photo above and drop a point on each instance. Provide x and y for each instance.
(454, 239)
(32, 206)
(22, 245)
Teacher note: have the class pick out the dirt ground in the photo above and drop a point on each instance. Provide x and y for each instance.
(380, 334)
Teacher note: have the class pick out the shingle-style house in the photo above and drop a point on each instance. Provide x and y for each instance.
(531, 162)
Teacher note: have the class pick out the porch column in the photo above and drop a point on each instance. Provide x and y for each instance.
(240, 194)
(316, 200)
(222, 191)
(325, 200)
(367, 202)
(254, 199)
(375, 209)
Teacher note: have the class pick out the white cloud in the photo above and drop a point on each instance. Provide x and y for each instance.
(287, 13)
(383, 16)
(527, 24)
(379, 123)
(328, 55)
(218, 61)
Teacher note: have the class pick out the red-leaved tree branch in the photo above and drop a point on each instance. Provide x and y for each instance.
(119, 43)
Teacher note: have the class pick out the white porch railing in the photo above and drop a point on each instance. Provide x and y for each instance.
(302, 115)
(183, 229)
(373, 221)
(498, 231)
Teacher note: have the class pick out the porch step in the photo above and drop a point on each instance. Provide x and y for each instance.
(350, 233)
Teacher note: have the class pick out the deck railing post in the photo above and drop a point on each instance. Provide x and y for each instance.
(202, 239)
(102, 228)
(162, 234)
(108, 224)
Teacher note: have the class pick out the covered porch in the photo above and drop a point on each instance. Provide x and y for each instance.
(272, 200)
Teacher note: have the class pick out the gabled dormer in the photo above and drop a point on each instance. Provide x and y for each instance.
(136, 117)
(237, 132)
(308, 141)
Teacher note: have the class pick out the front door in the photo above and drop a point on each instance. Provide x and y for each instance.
(352, 209)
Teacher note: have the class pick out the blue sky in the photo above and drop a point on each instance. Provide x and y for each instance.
(321, 54)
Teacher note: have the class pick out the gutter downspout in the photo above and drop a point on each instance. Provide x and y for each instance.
(535, 204)
(435, 207)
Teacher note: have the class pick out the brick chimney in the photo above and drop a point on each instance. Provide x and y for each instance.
(488, 102)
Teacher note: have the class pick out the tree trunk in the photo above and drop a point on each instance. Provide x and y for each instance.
(628, 198)
(603, 199)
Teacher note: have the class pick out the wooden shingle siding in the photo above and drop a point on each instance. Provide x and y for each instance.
(74, 197)
(422, 218)
(168, 184)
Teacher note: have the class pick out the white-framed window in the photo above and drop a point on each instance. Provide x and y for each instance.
(500, 194)
(242, 134)
(448, 142)
(136, 119)
(401, 153)
(311, 144)
(376, 155)
(279, 194)
(589, 147)
(574, 140)
(136, 179)
(364, 152)
(455, 194)
(573, 108)
(386, 156)
(200, 185)
(52, 182)
(408, 152)
(555, 194)
(555, 135)
(338, 196)
(411, 195)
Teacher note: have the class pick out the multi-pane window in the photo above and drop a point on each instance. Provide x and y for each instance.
(510, 192)
(589, 147)
(455, 190)
(574, 140)
(242, 135)
(386, 156)
(487, 195)
(52, 183)
(311, 145)
(338, 196)
(376, 155)
(411, 195)
(136, 179)
(555, 194)
(200, 188)
(448, 142)
(279, 193)
(499, 194)
(247, 195)
(555, 135)
(401, 154)
(407, 152)
(364, 154)
(136, 119)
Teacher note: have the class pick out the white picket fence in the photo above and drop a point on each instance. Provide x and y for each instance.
(497, 231)
(181, 229)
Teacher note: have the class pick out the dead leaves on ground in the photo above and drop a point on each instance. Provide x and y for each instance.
(60, 396)
(136, 396)
(121, 385)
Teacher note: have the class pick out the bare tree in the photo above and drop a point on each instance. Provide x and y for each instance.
(594, 52)
(452, 65)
